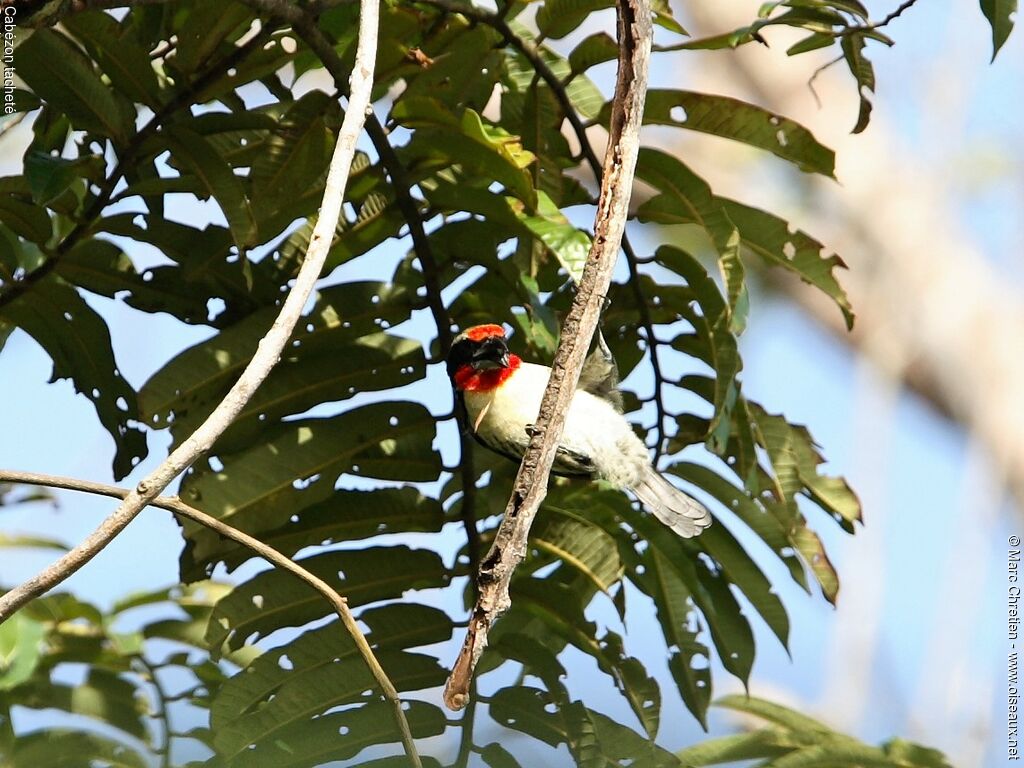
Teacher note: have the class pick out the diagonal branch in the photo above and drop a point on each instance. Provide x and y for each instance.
(304, 24)
(268, 553)
(267, 354)
(509, 548)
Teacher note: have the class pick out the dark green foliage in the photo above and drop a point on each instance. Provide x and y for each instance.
(337, 460)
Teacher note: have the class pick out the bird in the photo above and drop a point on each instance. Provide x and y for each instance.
(501, 395)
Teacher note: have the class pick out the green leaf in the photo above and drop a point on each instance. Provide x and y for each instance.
(26, 219)
(763, 743)
(664, 18)
(349, 515)
(296, 465)
(766, 525)
(741, 570)
(467, 61)
(103, 696)
(496, 756)
(771, 238)
(585, 97)
(812, 42)
(31, 542)
(78, 342)
(21, 648)
(1000, 16)
(740, 121)
(307, 694)
(795, 460)
(207, 27)
(49, 177)
(689, 658)
(810, 547)
(708, 589)
(481, 150)
(581, 544)
(342, 735)
(102, 267)
(193, 154)
(524, 709)
(686, 199)
(569, 245)
(595, 49)
(562, 611)
(344, 317)
(395, 626)
(714, 342)
(291, 166)
(863, 72)
(308, 377)
(557, 18)
(120, 57)
(773, 713)
(57, 72)
(275, 599)
(62, 748)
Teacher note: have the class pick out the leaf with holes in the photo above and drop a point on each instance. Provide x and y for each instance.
(192, 153)
(771, 238)
(396, 626)
(306, 695)
(795, 460)
(275, 599)
(296, 464)
(687, 199)
(1000, 15)
(349, 515)
(740, 121)
(342, 735)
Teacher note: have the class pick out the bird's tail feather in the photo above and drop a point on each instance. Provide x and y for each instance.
(685, 516)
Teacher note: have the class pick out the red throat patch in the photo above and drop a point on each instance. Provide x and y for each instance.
(481, 332)
(468, 379)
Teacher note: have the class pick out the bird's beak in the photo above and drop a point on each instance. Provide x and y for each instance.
(493, 353)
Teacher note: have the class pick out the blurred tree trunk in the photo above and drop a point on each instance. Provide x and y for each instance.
(932, 309)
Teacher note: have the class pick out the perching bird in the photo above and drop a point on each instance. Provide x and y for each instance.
(502, 397)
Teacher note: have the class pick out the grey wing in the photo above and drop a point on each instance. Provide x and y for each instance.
(600, 374)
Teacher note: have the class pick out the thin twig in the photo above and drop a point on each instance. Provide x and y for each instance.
(267, 353)
(268, 553)
(162, 712)
(892, 16)
(531, 52)
(510, 541)
(306, 28)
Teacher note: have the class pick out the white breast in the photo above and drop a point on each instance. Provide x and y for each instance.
(592, 427)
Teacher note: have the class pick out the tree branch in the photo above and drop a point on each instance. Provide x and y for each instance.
(509, 548)
(304, 24)
(268, 553)
(267, 354)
